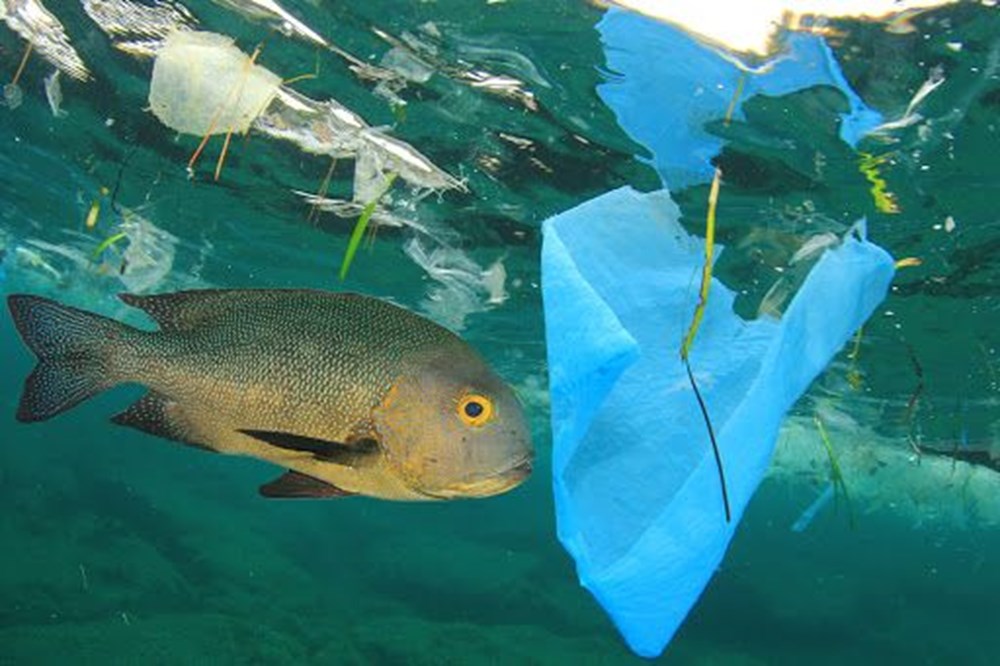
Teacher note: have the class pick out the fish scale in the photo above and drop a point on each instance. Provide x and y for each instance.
(332, 361)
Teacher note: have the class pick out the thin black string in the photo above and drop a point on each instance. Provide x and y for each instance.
(711, 435)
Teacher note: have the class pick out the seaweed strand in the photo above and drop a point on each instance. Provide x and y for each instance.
(715, 445)
(699, 313)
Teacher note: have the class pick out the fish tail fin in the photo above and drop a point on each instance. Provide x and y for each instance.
(74, 354)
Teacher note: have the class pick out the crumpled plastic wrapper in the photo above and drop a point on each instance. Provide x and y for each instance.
(203, 84)
(462, 287)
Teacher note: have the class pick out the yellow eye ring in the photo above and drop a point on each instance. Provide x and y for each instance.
(475, 410)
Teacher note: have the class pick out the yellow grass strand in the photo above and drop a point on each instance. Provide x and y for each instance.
(24, 62)
(706, 273)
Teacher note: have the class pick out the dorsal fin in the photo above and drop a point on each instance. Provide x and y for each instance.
(186, 310)
(183, 310)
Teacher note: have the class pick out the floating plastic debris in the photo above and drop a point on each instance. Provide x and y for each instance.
(138, 28)
(814, 246)
(502, 86)
(910, 116)
(26, 258)
(407, 64)
(407, 67)
(32, 21)
(352, 209)
(415, 57)
(13, 96)
(463, 287)
(643, 50)
(494, 281)
(203, 84)
(372, 176)
(329, 128)
(149, 256)
(400, 157)
(637, 496)
(53, 93)
(320, 128)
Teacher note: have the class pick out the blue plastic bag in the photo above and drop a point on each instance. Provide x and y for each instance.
(638, 501)
(666, 85)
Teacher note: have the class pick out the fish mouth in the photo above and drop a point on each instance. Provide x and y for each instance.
(521, 469)
(486, 485)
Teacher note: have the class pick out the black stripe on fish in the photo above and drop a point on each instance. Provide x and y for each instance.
(353, 454)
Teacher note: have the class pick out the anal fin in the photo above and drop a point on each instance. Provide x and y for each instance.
(155, 414)
(295, 484)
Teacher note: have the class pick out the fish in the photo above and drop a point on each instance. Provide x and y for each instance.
(351, 394)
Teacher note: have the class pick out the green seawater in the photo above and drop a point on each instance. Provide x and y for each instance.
(120, 548)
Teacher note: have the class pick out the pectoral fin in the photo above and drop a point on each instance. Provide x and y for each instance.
(294, 484)
(353, 454)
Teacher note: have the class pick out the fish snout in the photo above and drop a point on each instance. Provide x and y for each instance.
(487, 485)
(522, 468)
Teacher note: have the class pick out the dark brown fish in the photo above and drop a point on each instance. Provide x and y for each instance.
(352, 394)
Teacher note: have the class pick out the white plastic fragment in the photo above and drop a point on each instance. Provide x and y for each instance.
(371, 178)
(320, 128)
(462, 288)
(53, 93)
(342, 208)
(203, 84)
(149, 256)
(910, 117)
(815, 245)
(494, 280)
(407, 64)
(402, 158)
(330, 128)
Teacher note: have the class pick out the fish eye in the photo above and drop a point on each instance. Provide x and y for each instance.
(475, 410)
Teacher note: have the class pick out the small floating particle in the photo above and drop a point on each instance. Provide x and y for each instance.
(12, 96)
